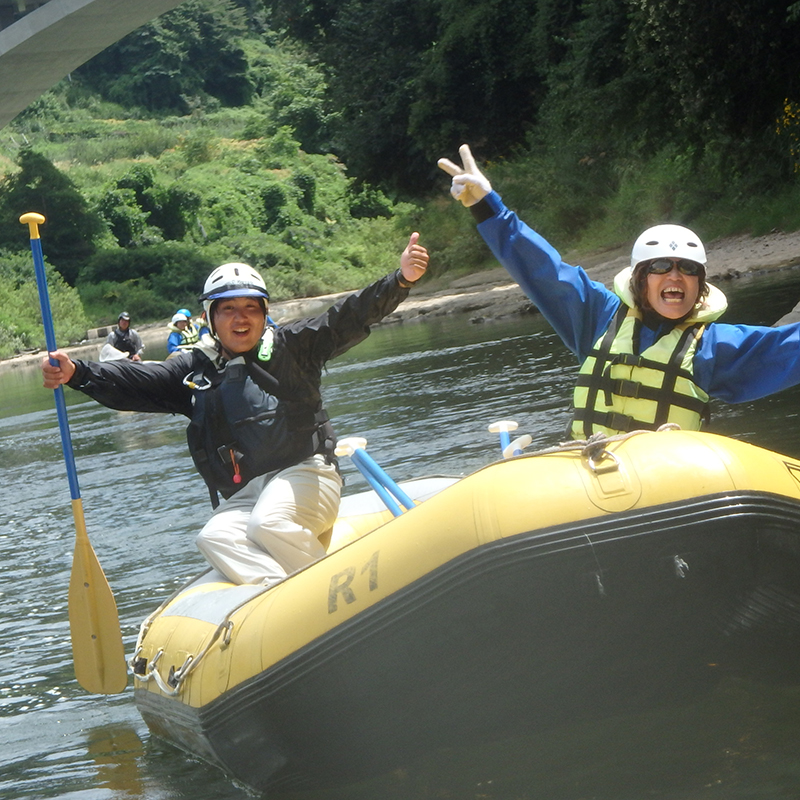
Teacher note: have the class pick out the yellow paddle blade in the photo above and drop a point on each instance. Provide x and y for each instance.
(97, 650)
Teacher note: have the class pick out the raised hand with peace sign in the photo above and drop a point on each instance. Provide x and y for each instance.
(469, 184)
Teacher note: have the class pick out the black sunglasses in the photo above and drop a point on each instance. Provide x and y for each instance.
(660, 266)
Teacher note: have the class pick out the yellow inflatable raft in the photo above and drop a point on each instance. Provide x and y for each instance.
(539, 589)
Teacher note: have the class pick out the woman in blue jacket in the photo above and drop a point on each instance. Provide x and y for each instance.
(650, 351)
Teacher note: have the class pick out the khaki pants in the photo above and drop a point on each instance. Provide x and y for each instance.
(269, 529)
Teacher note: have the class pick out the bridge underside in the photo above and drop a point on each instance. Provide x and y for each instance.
(44, 46)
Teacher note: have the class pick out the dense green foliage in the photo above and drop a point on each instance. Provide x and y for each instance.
(39, 186)
(286, 133)
(173, 62)
(20, 319)
(620, 77)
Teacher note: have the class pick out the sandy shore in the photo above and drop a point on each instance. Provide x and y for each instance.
(492, 295)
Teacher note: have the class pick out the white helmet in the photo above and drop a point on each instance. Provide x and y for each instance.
(668, 241)
(179, 317)
(231, 280)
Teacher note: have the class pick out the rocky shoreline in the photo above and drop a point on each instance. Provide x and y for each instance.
(490, 295)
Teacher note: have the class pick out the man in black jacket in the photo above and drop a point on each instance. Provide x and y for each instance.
(258, 433)
(126, 339)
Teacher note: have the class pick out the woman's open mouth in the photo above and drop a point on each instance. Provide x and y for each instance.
(673, 294)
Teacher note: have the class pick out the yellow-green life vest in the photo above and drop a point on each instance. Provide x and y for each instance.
(620, 390)
(190, 336)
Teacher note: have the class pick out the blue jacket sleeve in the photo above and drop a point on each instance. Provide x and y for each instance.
(738, 363)
(173, 341)
(578, 308)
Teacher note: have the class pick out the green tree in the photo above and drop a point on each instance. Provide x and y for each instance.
(372, 50)
(718, 68)
(71, 227)
(191, 52)
(292, 92)
(150, 281)
(485, 76)
(125, 219)
(410, 79)
(142, 208)
(20, 317)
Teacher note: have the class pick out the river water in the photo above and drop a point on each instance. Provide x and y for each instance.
(423, 395)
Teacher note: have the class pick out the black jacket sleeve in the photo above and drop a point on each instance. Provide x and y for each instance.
(138, 386)
(347, 322)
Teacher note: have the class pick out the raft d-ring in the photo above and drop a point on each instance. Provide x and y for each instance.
(594, 465)
(177, 675)
(226, 636)
(151, 667)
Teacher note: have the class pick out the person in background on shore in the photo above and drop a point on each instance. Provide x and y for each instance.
(259, 434)
(202, 325)
(125, 339)
(182, 333)
(650, 351)
(193, 332)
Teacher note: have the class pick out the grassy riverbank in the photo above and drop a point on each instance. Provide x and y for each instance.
(491, 295)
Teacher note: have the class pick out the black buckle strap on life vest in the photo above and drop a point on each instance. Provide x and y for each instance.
(673, 371)
(324, 438)
(611, 419)
(672, 368)
(600, 354)
(628, 360)
(624, 388)
(228, 454)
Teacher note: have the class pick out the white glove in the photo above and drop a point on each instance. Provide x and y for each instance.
(469, 184)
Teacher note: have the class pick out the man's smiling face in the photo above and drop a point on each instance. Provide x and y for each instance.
(239, 323)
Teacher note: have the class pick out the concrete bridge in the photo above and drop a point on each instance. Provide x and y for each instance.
(42, 41)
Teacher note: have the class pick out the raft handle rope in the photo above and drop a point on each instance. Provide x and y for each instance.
(145, 672)
(593, 449)
(594, 466)
(145, 626)
(173, 685)
(169, 687)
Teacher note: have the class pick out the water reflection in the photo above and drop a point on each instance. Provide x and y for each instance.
(423, 395)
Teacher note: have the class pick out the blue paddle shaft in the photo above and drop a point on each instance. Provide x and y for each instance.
(58, 392)
(367, 464)
(379, 488)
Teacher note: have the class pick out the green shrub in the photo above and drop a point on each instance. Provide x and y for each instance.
(21, 325)
(103, 301)
(149, 281)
